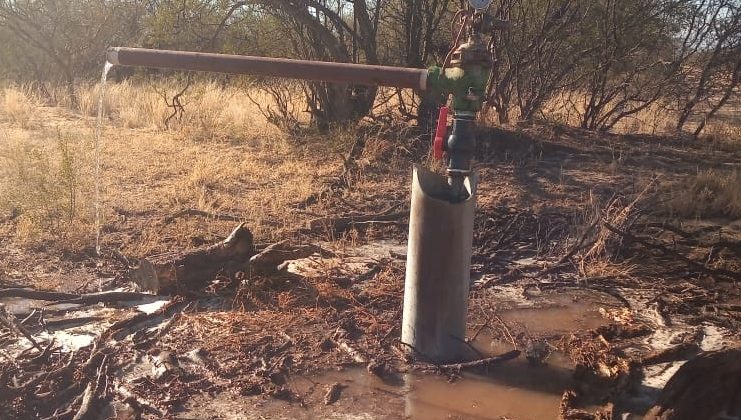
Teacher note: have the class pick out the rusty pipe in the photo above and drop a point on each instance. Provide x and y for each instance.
(321, 71)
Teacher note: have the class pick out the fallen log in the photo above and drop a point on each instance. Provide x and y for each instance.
(179, 272)
(682, 351)
(61, 297)
(36, 294)
(104, 297)
(274, 255)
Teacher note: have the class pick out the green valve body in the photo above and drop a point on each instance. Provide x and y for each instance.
(465, 84)
(465, 78)
(465, 81)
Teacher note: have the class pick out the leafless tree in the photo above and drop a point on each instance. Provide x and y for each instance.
(537, 56)
(320, 30)
(711, 71)
(71, 34)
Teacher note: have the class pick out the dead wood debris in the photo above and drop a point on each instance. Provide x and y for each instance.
(333, 393)
(484, 363)
(705, 387)
(179, 272)
(568, 412)
(73, 298)
(275, 343)
(201, 213)
(270, 259)
(682, 351)
(338, 224)
(7, 319)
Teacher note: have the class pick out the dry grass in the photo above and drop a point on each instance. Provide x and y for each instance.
(17, 106)
(211, 112)
(46, 177)
(221, 157)
(707, 194)
(656, 119)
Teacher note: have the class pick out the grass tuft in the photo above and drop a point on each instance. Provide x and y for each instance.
(17, 106)
(707, 194)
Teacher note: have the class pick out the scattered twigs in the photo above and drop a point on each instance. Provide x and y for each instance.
(136, 402)
(8, 319)
(44, 356)
(580, 243)
(368, 274)
(670, 252)
(201, 213)
(356, 355)
(506, 330)
(91, 397)
(138, 321)
(480, 329)
(343, 223)
(483, 363)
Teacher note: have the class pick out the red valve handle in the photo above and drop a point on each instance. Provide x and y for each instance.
(438, 144)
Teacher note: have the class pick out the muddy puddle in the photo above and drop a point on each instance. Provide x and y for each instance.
(517, 389)
(514, 390)
(558, 313)
(503, 394)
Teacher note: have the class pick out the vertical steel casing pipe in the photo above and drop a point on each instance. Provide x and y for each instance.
(438, 268)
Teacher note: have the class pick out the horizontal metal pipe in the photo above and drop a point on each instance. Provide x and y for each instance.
(361, 74)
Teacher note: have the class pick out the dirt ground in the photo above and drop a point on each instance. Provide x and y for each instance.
(606, 260)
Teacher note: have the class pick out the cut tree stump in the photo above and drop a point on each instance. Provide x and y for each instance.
(178, 272)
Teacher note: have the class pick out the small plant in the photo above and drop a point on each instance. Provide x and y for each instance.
(41, 185)
(68, 177)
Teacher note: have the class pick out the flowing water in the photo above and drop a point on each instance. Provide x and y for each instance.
(98, 134)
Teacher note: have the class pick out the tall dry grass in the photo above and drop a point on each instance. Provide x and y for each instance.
(220, 157)
(210, 111)
(45, 180)
(660, 118)
(707, 194)
(17, 106)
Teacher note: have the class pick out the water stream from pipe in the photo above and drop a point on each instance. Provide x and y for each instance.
(98, 134)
